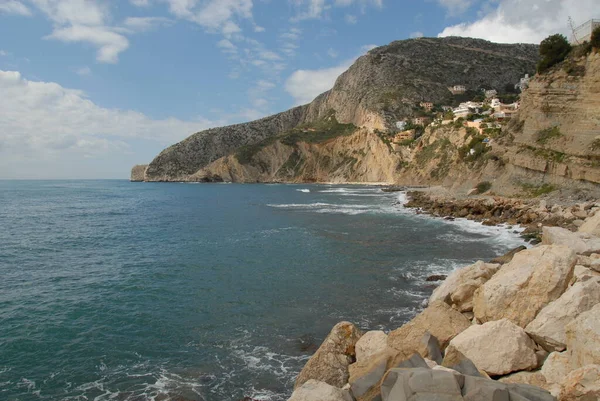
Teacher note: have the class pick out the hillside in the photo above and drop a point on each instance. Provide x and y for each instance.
(382, 87)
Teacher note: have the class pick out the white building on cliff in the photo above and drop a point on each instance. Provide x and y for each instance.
(583, 33)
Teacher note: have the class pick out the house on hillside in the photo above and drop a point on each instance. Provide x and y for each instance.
(421, 121)
(583, 33)
(401, 125)
(458, 89)
(490, 93)
(523, 83)
(405, 136)
(426, 105)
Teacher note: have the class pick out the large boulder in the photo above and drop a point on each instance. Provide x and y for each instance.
(591, 225)
(459, 287)
(420, 384)
(498, 347)
(548, 328)
(534, 278)
(480, 389)
(580, 242)
(371, 343)
(366, 376)
(457, 361)
(439, 320)
(330, 363)
(555, 370)
(314, 390)
(583, 338)
(582, 384)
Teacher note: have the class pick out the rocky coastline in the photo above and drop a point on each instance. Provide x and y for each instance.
(525, 326)
(531, 214)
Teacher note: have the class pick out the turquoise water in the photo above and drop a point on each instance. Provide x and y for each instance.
(113, 290)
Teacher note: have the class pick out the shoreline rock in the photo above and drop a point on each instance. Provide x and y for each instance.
(531, 322)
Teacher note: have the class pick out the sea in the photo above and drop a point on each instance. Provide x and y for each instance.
(111, 290)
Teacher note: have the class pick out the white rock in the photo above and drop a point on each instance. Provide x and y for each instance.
(580, 242)
(556, 368)
(534, 278)
(314, 390)
(371, 343)
(331, 361)
(591, 225)
(498, 348)
(583, 338)
(460, 285)
(582, 384)
(581, 271)
(548, 328)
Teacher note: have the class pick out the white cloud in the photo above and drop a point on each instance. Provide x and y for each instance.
(140, 3)
(14, 7)
(85, 21)
(316, 9)
(109, 43)
(332, 53)
(351, 19)
(74, 12)
(514, 21)
(305, 85)
(416, 35)
(45, 121)
(213, 15)
(312, 9)
(3, 53)
(457, 7)
(142, 24)
(83, 71)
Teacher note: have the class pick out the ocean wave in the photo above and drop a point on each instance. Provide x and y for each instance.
(331, 208)
(305, 190)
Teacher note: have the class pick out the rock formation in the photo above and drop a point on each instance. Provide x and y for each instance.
(535, 336)
(382, 87)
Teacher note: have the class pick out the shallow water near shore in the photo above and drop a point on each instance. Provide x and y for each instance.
(113, 290)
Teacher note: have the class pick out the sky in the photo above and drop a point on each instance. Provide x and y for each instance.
(88, 88)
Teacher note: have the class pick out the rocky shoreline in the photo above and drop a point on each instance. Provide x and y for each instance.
(525, 326)
(531, 214)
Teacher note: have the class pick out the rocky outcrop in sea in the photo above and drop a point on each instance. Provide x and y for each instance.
(526, 327)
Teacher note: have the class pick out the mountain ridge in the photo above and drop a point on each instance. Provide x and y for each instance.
(381, 87)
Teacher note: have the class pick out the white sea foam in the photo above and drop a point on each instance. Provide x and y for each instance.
(305, 190)
(330, 208)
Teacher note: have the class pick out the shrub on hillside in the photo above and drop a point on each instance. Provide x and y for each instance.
(595, 42)
(483, 187)
(544, 136)
(553, 50)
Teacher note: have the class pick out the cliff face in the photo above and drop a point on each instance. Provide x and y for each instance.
(383, 85)
(553, 143)
(138, 173)
(360, 157)
(381, 88)
(558, 132)
(183, 159)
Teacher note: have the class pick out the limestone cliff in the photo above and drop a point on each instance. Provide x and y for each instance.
(360, 157)
(138, 172)
(381, 88)
(558, 131)
(553, 143)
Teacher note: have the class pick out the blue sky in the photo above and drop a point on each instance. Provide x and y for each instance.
(90, 87)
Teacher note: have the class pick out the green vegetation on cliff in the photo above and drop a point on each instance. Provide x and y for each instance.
(553, 50)
(321, 130)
